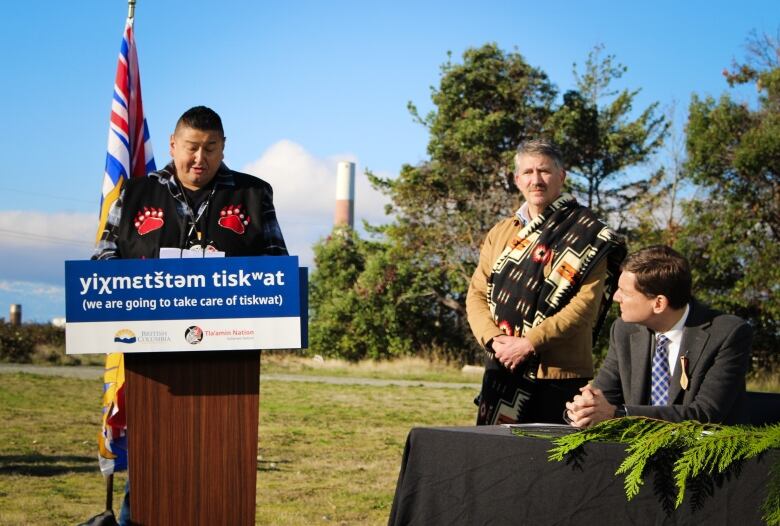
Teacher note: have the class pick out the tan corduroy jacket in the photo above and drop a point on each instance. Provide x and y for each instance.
(564, 340)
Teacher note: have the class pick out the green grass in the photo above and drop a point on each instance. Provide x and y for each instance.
(407, 368)
(766, 383)
(328, 454)
(48, 463)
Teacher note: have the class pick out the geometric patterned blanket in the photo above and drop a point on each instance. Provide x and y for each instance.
(540, 271)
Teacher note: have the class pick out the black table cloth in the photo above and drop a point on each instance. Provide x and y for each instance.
(488, 476)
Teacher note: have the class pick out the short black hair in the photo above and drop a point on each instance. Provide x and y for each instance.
(661, 271)
(201, 118)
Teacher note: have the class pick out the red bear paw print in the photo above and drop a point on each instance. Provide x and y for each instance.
(233, 218)
(148, 220)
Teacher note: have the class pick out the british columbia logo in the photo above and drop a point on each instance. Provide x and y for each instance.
(124, 336)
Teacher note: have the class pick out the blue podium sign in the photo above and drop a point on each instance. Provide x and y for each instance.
(155, 305)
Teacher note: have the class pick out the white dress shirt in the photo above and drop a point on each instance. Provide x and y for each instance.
(675, 335)
(522, 213)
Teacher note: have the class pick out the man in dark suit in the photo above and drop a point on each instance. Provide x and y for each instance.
(670, 357)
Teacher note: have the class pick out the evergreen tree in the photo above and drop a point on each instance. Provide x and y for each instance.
(653, 212)
(600, 140)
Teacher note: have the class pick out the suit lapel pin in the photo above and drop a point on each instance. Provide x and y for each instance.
(684, 372)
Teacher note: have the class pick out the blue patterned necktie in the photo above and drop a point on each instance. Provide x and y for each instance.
(660, 376)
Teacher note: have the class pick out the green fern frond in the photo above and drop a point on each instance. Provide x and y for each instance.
(654, 437)
(697, 450)
(607, 431)
(766, 438)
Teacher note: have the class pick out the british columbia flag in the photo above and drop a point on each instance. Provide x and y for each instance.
(129, 155)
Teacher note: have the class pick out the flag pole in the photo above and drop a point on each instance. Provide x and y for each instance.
(110, 478)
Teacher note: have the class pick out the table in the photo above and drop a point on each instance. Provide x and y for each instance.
(488, 476)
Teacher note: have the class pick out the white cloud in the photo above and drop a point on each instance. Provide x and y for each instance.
(38, 229)
(305, 194)
(27, 288)
(35, 246)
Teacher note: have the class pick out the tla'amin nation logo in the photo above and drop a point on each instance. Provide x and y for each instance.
(193, 335)
(124, 336)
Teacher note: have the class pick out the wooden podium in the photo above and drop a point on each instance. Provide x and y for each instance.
(191, 416)
(192, 437)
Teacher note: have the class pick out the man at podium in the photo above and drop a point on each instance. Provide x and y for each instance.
(196, 204)
(194, 207)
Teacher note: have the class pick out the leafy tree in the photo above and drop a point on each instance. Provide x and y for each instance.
(732, 235)
(368, 302)
(339, 262)
(600, 140)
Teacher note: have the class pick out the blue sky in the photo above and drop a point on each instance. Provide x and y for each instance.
(299, 85)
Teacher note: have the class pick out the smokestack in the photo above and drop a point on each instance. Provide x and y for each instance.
(16, 314)
(345, 195)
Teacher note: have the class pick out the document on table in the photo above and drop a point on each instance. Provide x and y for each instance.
(554, 429)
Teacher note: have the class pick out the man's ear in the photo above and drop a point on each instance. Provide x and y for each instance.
(660, 304)
(170, 146)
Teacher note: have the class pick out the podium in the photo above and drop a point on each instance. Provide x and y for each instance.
(190, 330)
(192, 437)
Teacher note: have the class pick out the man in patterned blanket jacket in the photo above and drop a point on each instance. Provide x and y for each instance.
(539, 295)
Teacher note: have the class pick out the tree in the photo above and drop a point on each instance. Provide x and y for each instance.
(732, 235)
(600, 140)
(368, 302)
(339, 260)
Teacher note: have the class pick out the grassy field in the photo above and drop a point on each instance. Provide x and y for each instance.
(410, 368)
(328, 454)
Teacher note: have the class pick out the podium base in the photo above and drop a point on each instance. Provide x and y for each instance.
(192, 436)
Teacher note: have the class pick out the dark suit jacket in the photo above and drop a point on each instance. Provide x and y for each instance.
(718, 349)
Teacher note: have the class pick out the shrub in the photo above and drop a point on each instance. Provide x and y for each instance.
(18, 343)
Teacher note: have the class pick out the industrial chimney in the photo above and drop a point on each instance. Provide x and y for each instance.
(15, 317)
(345, 195)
